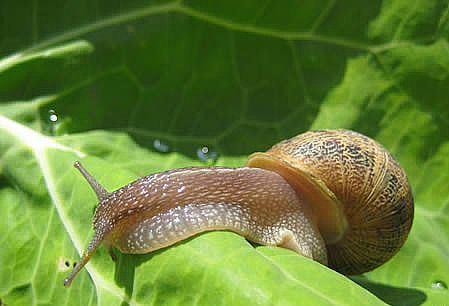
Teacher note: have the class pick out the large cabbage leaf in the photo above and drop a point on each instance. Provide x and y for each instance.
(134, 88)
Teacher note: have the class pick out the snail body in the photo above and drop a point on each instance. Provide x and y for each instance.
(335, 196)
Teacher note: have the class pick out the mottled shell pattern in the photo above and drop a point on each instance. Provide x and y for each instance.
(371, 185)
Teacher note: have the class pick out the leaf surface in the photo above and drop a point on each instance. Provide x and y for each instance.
(137, 88)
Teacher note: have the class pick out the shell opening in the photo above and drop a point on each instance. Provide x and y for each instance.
(327, 209)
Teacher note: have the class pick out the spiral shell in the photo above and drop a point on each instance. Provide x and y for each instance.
(371, 186)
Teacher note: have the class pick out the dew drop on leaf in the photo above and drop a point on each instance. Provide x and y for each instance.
(53, 117)
(161, 146)
(207, 155)
(53, 121)
(438, 284)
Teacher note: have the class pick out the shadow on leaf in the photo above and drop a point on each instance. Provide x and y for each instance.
(394, 296)
(125, 270)
(126, 265)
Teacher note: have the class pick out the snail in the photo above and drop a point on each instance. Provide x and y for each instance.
(335, 196)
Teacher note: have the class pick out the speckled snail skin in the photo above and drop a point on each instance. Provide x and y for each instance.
(335, 196)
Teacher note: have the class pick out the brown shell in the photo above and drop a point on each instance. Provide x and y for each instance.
(370, 184)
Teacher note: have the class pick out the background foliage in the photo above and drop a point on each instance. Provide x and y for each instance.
(135, 87)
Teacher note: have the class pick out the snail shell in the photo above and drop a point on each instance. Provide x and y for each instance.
(359, 175)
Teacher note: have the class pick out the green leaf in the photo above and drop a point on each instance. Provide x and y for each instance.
(136, 88)
(215, 267)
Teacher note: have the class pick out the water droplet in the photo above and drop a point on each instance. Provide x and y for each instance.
(54, 122)
(53, 117)
(439, 285)
(161, 146)
(207, 155)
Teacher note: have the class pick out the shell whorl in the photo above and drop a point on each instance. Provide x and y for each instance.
(371, 185)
